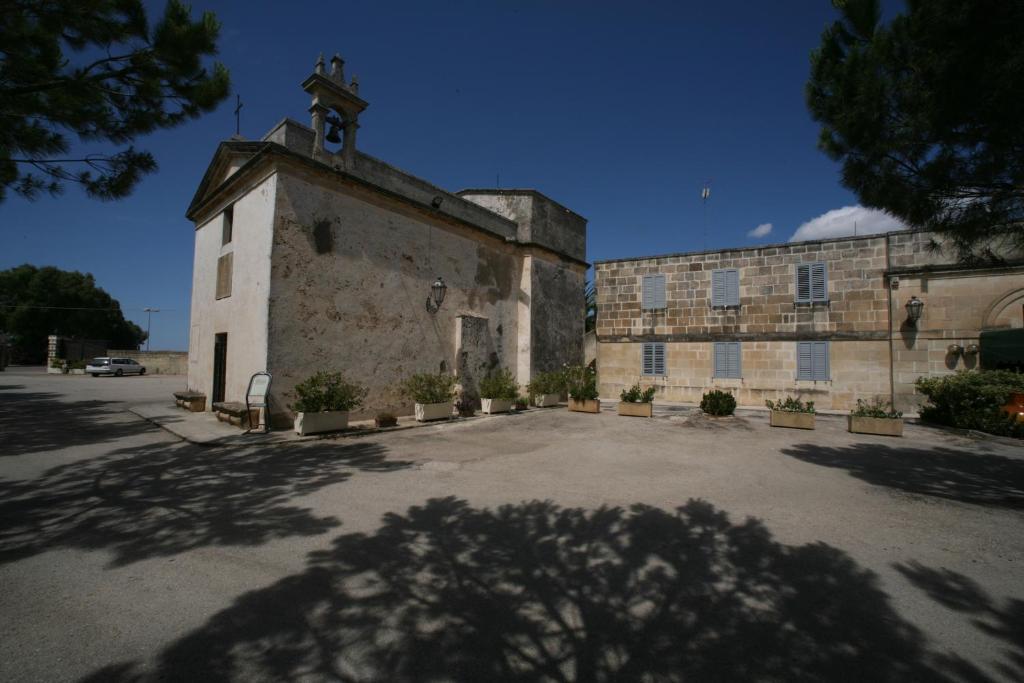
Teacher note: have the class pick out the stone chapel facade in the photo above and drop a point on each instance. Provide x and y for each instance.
(309, 257)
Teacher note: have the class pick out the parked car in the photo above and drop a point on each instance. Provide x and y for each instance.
(114, 366)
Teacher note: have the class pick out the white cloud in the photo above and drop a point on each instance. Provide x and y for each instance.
(844, 221)
(761, 230)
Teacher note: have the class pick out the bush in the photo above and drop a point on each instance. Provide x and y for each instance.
(78, 365)
(326, 391)
(385, 420)
(877, 408)
(522, 402)
(430, 388)
(546, 383)
(499, 384)
(581, 382)
(466, 407)
(972, 399)
(791, 405)
(718, 403)
(637, 395)
(56, 363)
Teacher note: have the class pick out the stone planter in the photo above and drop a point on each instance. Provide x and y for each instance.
(884, 426)
(785, 418)
(586, 406)
(490, 406)
(631, 409)
(317, 423)
(1015, 406)
(546, 400)
(425, 412)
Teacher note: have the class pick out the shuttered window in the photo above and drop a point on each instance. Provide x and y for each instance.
(812, 360)
(654, 360)
(811, 282)
(727, 360)
(725, 287)
(653, 292)
(224, 267)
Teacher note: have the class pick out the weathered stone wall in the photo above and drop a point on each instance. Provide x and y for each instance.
(540, 220)
(156, 362)
(358, 303)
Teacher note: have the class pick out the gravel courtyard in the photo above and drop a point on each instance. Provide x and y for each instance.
(542, 546)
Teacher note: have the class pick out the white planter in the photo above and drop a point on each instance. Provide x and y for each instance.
(546, 400)
(315, 423)
(489, 406)
(426, 412)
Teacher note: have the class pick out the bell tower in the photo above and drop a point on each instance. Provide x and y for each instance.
(337, 105)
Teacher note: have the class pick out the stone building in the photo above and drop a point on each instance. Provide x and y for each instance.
(311, 255)
(825, 320)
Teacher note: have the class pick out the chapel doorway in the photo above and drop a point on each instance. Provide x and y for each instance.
(220, 366)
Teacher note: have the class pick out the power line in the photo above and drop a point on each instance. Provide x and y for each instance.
(77, 308)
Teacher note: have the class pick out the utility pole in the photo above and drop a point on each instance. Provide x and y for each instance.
(149, 321)
(705, 195)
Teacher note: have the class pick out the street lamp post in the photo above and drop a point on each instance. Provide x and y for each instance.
(149, 322)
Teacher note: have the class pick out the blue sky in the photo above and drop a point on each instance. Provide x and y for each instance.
(620, 111)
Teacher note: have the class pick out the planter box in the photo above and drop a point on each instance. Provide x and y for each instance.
(885, 426)
(636, 409)
(316, 423)
(588, 406)
(546, 400)
(784, 418)
(426, 412)
(490, 406)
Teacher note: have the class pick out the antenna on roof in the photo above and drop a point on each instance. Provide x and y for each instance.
(238, 114)
(705, 195)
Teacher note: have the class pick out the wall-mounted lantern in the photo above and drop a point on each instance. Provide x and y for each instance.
(914, 308)
(437, 292)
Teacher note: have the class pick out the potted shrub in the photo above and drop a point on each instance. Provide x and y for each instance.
(718, 403)
(875, 418)
(432, 394)
(498, 391)
(792, 412)
(975, 399)
(581, 383)
(522, 403)
(384, 420)
(324, 402)
(637, 402)
(546, 388)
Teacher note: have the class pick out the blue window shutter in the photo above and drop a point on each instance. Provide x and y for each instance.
(721, 365)
(718, 288)
(660, 300)
(819, 282)
(648, 293)
(659, 359)
(804, 360)
(820, 360)
(647, 364)
(803, 282)
(733, 359)
(732, 287)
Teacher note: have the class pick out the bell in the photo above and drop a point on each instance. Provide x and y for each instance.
(332, 134)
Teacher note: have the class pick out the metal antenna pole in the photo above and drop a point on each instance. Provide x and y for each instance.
(238, 115)
(705, 194)
(149, 322)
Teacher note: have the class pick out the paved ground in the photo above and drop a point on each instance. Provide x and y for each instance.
(128, 555)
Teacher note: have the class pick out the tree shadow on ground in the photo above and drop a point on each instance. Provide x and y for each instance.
(981, 479)
(33, 422)
(537, 592)
(960, 593)
(163, 499)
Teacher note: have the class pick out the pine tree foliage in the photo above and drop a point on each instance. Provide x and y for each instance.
(925, 114)
(75, 72)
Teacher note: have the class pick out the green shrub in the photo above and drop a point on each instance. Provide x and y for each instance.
(326, 391)
(718, 402)
(637, 395)
(581, 382)
(791, 405)
(499, 384)
(546, 383)
(56, 363)
(877, 408)
(972, 399)
(465, 407)
(78, 365)
(522, 402)
(385, 420)
(427, 387)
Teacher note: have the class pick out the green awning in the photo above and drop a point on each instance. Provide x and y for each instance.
(1002, 349)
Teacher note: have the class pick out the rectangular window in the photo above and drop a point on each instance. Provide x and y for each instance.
(224, 267)
(812, 360)
(725, 287)
(727, 360)
(811, 282)
(653, 292)
(228, 226)
(654, 360)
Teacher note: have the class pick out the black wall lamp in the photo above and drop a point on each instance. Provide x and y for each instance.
(437, 292)
(914, 308)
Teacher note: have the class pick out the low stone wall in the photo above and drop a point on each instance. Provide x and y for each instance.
(156, 362)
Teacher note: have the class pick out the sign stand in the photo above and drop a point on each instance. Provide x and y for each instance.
(257, 396)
